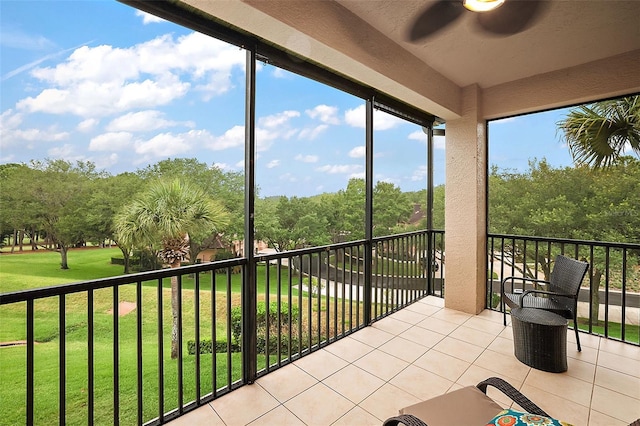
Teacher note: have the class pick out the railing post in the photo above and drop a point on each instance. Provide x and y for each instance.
(30, 362)
(249, 291)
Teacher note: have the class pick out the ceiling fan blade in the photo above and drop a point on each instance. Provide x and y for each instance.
(434, 18)
(512, 17)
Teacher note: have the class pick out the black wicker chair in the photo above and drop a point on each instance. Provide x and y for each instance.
(560, 295)
(469, 405)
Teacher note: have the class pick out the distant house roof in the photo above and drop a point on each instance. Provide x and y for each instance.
(214, 242)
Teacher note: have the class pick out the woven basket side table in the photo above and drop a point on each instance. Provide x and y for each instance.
(540, 339)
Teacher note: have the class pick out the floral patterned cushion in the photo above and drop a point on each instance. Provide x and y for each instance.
(516, 418)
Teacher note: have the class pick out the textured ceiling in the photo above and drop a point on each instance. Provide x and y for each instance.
(576, 50)
(568, 33)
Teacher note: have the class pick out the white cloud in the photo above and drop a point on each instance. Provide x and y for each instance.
(223, 166)
(275, 126)
(277, 120)
(106, 161)
(164, 145)
(273, 163)
(357, 175)
(148, 18)
(240, 164)
(233, 137)
(47, 135)
(92, 99)
(87, 125)
(280, 73)
(265, 138)
(387, 179)
(66, 152)
(288, 177)
(418, 135)
(12, 134)
(419, 174)
(9, 120)
(381, 120)
(15, 38)
(33, 64)
(307, 158)
(358, 152)
(326, 114)
(312, 133)
(340, 168)
(104, 80)
(112, 141)
(142, 121)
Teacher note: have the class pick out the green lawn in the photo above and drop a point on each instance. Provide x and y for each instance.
(631, 332)
(21, 271)
(42, 268)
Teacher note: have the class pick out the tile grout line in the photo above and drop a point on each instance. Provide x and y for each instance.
(593, 382)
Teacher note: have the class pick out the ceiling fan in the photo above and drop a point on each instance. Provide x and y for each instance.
(497, 17)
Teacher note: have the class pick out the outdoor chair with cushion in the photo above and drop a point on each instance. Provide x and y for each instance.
(471, 406)
(560, 295)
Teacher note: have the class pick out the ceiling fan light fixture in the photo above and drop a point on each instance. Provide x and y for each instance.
(482, 5)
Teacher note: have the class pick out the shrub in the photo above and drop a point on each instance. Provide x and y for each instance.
(206, 346)
(261, 318)
(223, 255)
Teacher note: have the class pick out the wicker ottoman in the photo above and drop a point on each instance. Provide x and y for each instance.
(540, 339)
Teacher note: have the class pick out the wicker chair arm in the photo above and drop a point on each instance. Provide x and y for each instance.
(512, 279)
(512, 393)
(550, 293)
(405, 419)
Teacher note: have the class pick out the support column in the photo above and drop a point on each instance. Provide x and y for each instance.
(249, 289)
(368, 210)
(465, 207)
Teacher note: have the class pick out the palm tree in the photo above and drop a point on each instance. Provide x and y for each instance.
(165, 214)
(599, 133)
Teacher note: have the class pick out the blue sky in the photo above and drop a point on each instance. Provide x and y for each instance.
(100, 81)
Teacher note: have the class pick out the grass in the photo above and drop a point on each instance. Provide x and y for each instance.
(631, 332)
(46, 332)
(40, 269)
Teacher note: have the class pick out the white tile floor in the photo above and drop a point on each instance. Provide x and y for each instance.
(423, 351)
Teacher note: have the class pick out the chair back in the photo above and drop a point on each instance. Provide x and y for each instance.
(567, 275)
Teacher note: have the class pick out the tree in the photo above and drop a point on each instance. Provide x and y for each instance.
(598, 134)
(107, 197)
(390, 207)
(226, 187)
(164, 215)
(288, 223)
(351, 208)
(18, 215)
(50, 195)
(570, 203)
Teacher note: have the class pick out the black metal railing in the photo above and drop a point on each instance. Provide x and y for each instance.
(136, 381)
(609, 300)
(113, 363)
(321, 297)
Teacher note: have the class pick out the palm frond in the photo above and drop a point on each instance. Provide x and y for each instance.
(165, 213)
(599, 134)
